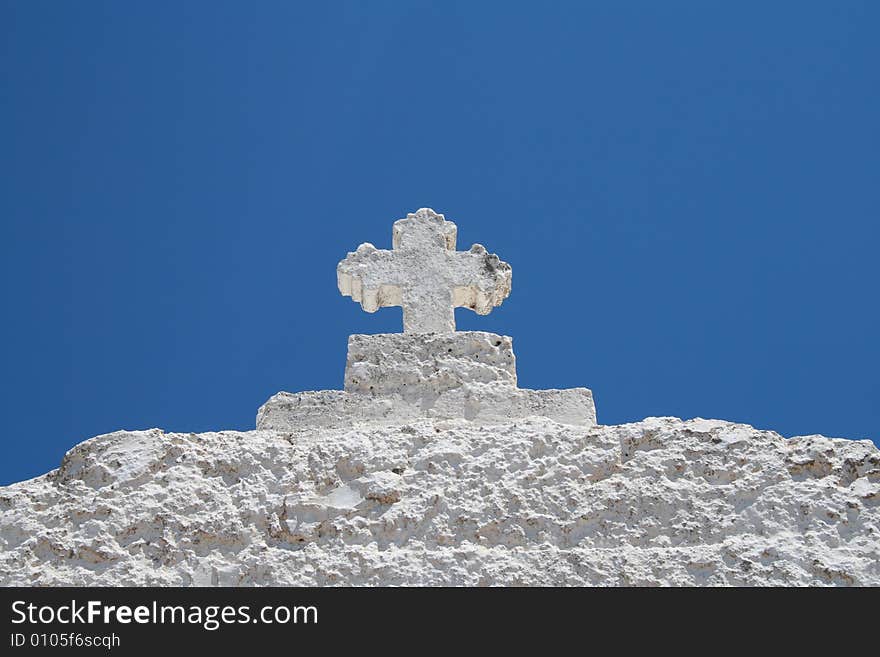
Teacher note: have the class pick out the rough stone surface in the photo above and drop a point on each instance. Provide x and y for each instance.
(390, 364)
(425, 275)
(536, 502)
(289, 411)
(397, 377)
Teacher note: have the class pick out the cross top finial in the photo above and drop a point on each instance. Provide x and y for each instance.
(423, 227)
(425, 274)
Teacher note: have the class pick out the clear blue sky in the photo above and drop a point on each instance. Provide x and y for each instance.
(688, 193)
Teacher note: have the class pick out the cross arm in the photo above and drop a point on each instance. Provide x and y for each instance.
(481, 280)
(369, 276)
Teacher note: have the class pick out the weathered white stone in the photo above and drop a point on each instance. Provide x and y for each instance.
(401, 364)
(451, 502)
(400, 376)
(299, 411)
(425, 274)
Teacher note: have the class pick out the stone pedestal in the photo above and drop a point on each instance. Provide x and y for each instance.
(401, 377)
(416, 366)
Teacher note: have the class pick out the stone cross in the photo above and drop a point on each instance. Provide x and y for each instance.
(425, 274)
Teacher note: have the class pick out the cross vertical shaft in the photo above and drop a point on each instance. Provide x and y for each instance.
(428, 310)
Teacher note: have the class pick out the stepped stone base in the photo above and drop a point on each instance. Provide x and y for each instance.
(398, 377)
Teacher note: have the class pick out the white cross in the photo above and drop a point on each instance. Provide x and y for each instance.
(425, 274)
